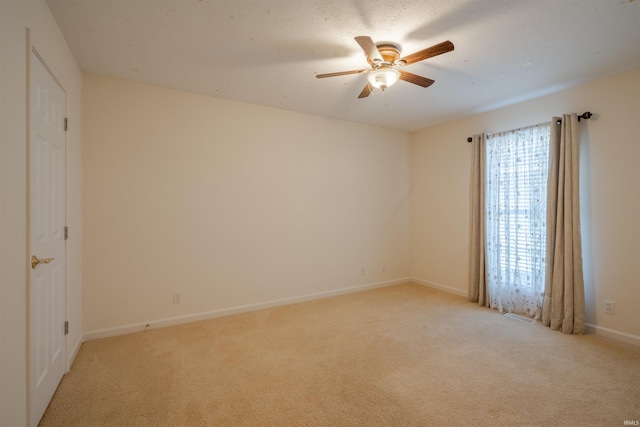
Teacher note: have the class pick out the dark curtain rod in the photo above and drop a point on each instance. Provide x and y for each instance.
(586, 115)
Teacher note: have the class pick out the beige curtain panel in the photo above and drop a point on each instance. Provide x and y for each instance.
(478, 291)
(563, 305)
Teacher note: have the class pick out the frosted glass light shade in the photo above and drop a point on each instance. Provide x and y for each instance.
(383, 78)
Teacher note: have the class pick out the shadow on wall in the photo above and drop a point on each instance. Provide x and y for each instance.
(586, 224)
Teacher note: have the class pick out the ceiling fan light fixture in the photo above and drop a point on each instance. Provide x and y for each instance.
(383, 57)
(383, 77)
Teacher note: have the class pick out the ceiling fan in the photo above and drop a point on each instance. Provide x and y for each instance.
(385, 61)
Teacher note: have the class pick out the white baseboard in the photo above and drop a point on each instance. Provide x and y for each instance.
(440, 287)
(590, 328)
(172, 321)
(612, 333)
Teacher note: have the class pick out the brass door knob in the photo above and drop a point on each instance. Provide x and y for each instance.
(35, 261)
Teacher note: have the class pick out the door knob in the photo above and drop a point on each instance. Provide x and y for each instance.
(35, 261)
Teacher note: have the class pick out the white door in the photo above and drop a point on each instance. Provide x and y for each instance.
(47, 222)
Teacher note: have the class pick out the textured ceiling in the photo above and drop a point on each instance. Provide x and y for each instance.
(268, 52)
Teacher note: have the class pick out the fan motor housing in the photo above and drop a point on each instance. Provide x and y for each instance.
(389, 51)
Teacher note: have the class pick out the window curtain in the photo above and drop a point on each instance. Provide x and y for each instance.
(563, 306)
(517, 165)
(478, 291)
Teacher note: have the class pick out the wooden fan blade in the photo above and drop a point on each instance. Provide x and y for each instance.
(340, 73)
(416, 79)
(429, 52)
(366, 91)
(369, 48)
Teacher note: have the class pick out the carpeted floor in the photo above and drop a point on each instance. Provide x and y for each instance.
(404, 355)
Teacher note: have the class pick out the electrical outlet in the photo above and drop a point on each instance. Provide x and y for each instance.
(177, 297)
(362, 271)
(609, 307)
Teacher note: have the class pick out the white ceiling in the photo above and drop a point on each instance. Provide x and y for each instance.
(268, 52)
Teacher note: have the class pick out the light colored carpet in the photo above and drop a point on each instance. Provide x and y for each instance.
(404, 355)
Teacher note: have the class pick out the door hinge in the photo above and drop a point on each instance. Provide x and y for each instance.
(66, 124)
(66, 233)
(66, 327)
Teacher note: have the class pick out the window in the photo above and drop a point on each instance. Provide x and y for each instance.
(517, 164)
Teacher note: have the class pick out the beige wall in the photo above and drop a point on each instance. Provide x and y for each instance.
(610, 203)
(232, 204)
(15, 18)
